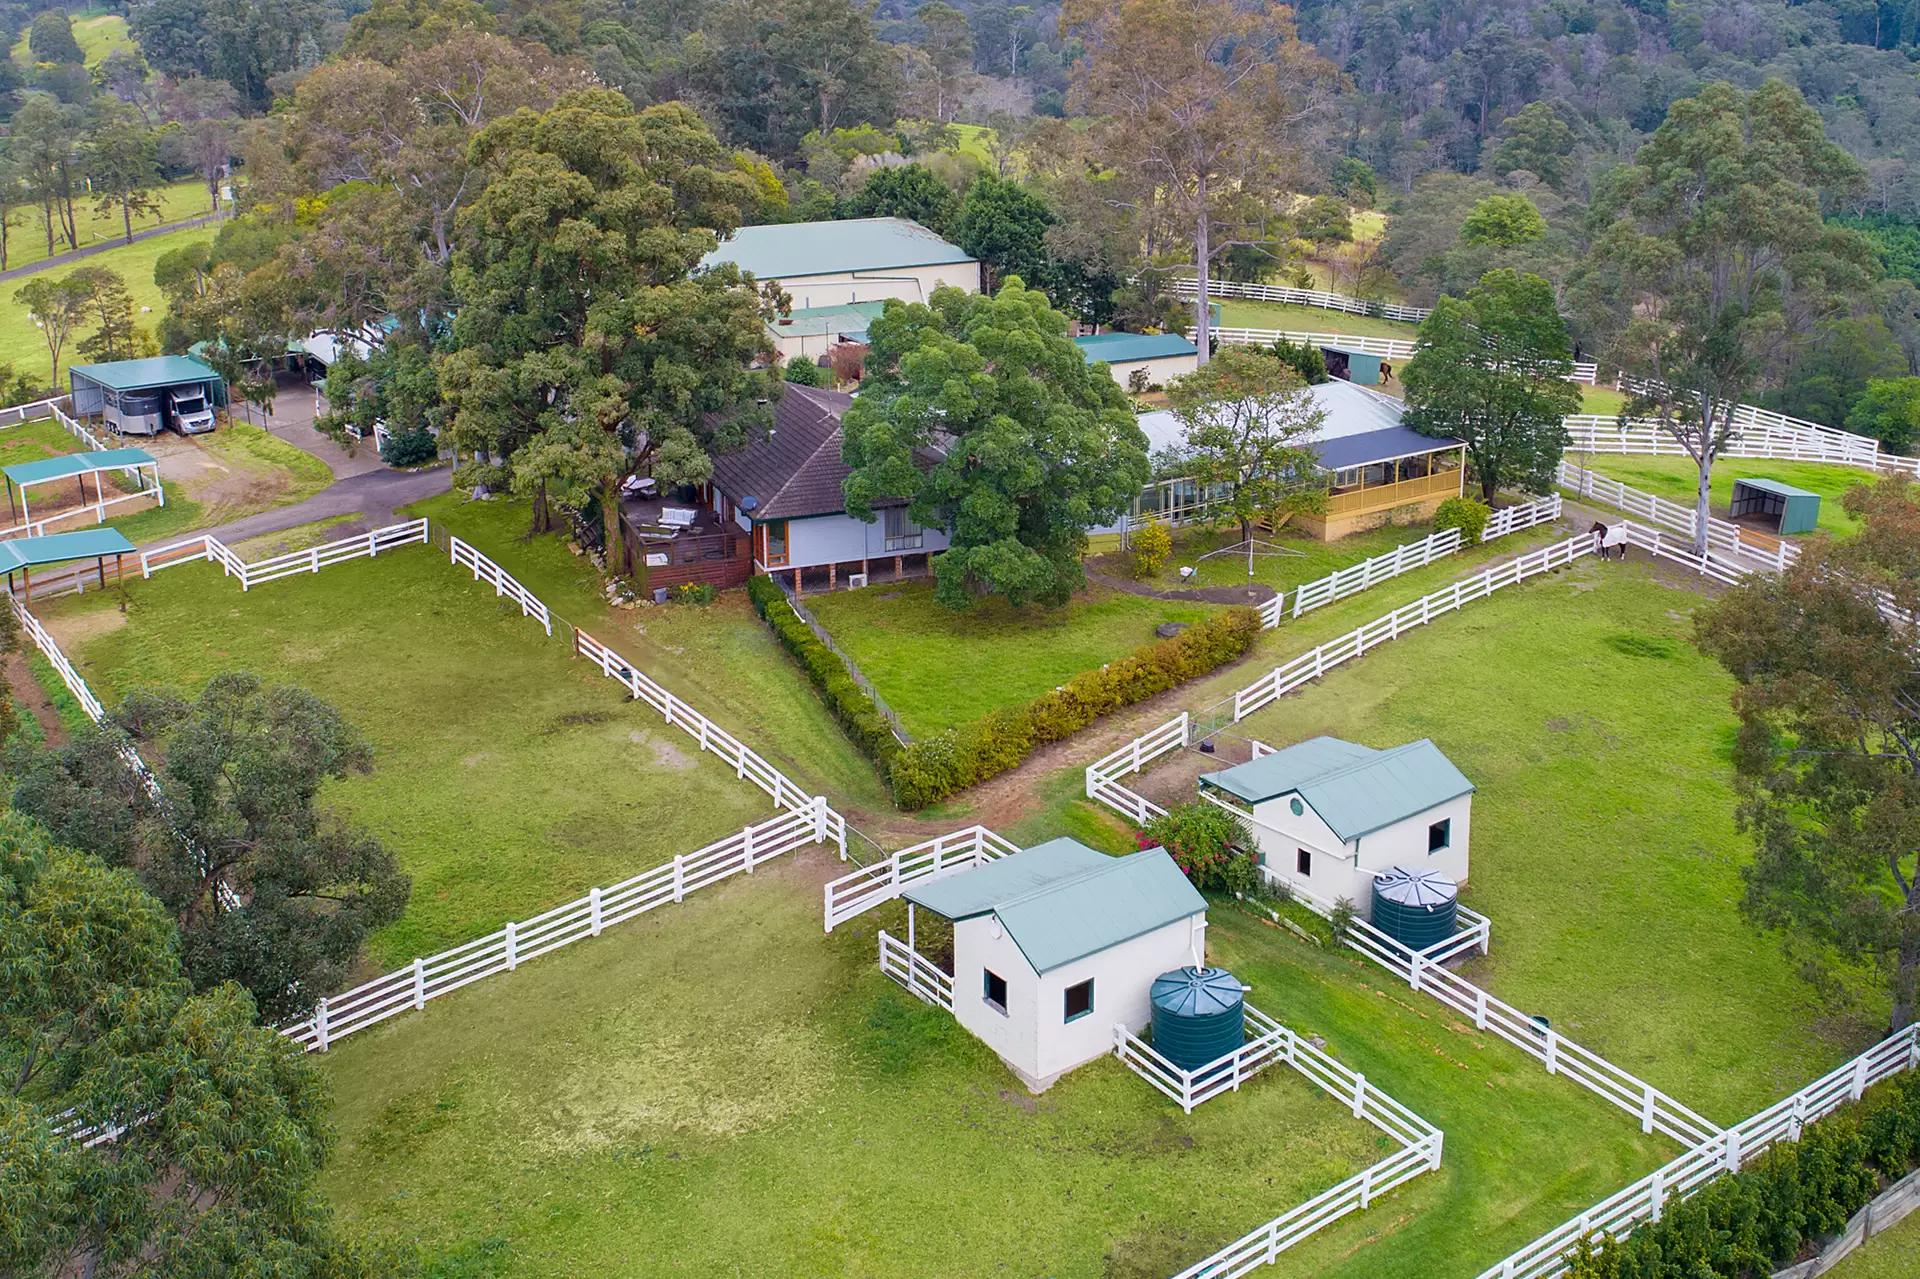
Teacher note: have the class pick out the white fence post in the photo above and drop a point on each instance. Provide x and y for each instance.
(320, 1025)
(419, 983)
(1413, 971)
(746, 839)
(679, 879)
(1859, 1077)
(1656, 1193)
(1479, 1008)
(593, 911)
(1359, 1096)
(1733, 1150)
(1553, 1051)
(512, 958)
(1646, 1109)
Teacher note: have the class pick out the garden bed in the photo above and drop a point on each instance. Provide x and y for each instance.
(508, 775)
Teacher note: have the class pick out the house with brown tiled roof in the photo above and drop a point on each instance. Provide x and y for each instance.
(785, 491)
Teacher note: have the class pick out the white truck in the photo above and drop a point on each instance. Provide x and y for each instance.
(188, 410)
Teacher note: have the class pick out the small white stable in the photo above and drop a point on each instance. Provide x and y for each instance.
(1053, 948)
(1330, 815)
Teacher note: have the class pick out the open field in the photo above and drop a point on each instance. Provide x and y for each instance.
(20, 342)
(939, 668)
(1893, 1255)
(1677, 479)
(589, 1114)
(1603, 841)
(99, 34)
(1238, 314)
(27, 238)
(508, 775)
(721, 657)
(1602, 399)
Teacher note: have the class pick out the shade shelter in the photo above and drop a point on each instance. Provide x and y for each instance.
(129, 394)
(138, 464)
(1790, 509)
(1352, 365)
(22, 555)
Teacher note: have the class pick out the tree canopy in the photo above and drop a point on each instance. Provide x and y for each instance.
(985, 417)
(1249, 424)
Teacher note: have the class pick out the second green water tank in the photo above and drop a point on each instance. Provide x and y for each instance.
(1199, 1015)
(1415, 906)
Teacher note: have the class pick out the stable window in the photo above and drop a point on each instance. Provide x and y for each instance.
(994, 989)
(1079, 1000)
(1439, 835)
(773, 543)
(1303, 862)
(902, 533)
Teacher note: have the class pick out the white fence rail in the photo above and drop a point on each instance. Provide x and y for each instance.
(1187, 286)
(1512, 519)
(870, 886)
(502, 582)
(1420, 1143)
(1645, 1200)
(915, 971)
(312, 560)
(43, 640)
(411, 987)
(1724, 537)
(1386, 348)
(1131, 758)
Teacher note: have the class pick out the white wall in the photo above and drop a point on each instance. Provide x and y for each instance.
(1162, 370)
(1347, 870)
(1122, 980)
(840, 539)
(976, 949)
(909, 284)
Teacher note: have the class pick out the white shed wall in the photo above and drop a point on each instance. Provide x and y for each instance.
(976, 950)
(838, 539)
(1122, 978)
(909, 284)
(1162, 370)
(1348, 870)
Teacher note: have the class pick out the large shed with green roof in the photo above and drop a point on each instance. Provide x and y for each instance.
(1056, 945)
(833, 264)
(131, 395)
(1330, 816)
(1157, 357)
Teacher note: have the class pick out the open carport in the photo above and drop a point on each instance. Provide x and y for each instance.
(137, 464)
(122, 392)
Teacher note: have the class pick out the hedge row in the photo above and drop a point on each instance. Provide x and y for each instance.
(936, 767)
(1759, 1219)
(849, 703)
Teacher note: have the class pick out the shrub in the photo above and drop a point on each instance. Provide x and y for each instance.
(1152, 546)
(846, 701)
(700, 593)
(802, 371)
(1465, 514)
(1137, 382)
(1759, 1219)
(935, 767)
(410, 448)
(1203, 839)
(1306, 360)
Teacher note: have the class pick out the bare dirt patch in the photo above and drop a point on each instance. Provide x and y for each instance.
(27, 691)
(74, 630)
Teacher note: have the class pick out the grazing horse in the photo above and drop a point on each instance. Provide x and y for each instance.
(1609, 539)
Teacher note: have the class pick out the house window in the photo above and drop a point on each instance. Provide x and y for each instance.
(1440, 835)
(773, 543)
(993, 987)
(902, 533)
(1303, 861)
(1079, 1000)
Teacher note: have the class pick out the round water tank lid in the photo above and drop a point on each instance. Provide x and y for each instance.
(1416, 886)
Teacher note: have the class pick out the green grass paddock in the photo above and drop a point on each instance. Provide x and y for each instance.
(1677, 479)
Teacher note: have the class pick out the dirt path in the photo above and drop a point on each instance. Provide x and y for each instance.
(76, 255)
(27, 691)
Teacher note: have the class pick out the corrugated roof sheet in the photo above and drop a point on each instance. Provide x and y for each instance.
(1124, 348)
(53, 468)
(815, 321)
(1061, 901)
(794, 250)
(1774, 487)
(1355, 789)
(1379, 446)
(57, 548)
(138, 375)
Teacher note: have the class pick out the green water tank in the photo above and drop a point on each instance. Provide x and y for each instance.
(1199, 1015)
(1415, 906)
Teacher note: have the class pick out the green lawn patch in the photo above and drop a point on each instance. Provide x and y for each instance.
(940, 668)
(1238, 314)
(1677, 479)
(720, 658)
(1893, 1255)
(509, 776)
(1602, 399)
(1603, 842)
(27, 244)
(99, 35)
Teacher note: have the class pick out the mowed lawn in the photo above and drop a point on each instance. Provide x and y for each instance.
(1893, 1255)
(940, 667)
(508, 775)
(717, 1089)
(1603, 842)
(1678, 479)
(1236, 313)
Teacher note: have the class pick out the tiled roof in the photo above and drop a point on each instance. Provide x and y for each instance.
(796, 470)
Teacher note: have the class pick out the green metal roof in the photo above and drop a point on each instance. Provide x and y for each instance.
(1124, 348)
(816, 321)
(795, 250)
(1061, 901)
(1775, 487)
(1355, 789)
(57, 548)
(53, 468)
(139, 375)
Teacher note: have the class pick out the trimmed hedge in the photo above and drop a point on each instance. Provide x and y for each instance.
(846, 700)
(1756, 1221)
(936, 767)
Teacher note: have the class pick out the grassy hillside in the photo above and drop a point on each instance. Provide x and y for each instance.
(26, 228)
(99, 34)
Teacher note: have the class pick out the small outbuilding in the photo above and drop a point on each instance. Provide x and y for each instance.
(1164, 356)
(1350, 364)
(137, 465)
(1782, 506)
(1331, 816)
(22, 555)
(144, 397)
(1056, 945)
